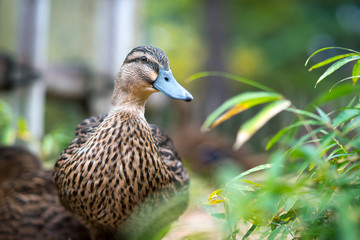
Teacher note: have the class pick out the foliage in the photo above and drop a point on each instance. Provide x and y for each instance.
(17, 133)
(311, 187)
(10, 131)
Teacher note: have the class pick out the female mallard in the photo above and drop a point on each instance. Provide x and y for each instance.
(29, 205)
(121, 174)
(15, 161)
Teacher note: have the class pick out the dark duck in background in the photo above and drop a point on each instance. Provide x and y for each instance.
(29, 204)
(121, 175)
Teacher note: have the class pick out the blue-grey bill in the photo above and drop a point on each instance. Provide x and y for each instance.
(167, 84)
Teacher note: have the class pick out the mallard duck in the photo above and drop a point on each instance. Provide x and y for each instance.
(119, 174)
(29, 204)
(15, 161)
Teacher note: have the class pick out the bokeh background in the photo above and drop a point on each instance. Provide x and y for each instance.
(59, 58)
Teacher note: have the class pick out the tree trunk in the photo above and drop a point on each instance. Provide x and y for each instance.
(217, 90)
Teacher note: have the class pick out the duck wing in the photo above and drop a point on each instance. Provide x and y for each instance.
(170, 155)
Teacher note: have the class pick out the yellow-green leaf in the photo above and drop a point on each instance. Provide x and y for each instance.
(251, 170)
(251, 182)
(232, 112)
(327, 48)
(238, 104)
(356, 72)
(251, 126)
(311, 167)
(219, 215)
(240, 107)
(290, 202)
(330, 60)
(215, 201)
(336, 66)
(23, 132)
(215, 194)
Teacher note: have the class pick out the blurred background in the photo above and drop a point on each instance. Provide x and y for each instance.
(59, 58)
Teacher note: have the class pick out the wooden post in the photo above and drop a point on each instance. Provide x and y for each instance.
(115, 37)
(116, 24)
(32, 52)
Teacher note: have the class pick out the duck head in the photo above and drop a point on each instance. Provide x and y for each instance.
(146, 70)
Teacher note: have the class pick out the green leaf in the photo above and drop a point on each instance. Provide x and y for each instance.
(327, 48)
(275, 232)
(251, 182)
(230, 76)
(281, 133)
(336, 93)
(232, 235)
(330, 60)
(343, 80)
(356, 71)
(215, 194)
(354, 124)
(7, 136)
(341, 155)
(290, 202)
(245, 188)
(255, 169)
(218, 215)
(304, 113)
(345, 115)
(324, 117)
(248, 233)
(241, 102)
(162, 232)
(304, 139)
(255, 123)
(336, 66)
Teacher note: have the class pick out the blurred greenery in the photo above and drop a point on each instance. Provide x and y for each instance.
(17, 133)
(262, 40)
(310, 189)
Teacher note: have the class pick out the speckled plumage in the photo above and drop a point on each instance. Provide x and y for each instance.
(29, 205)
(119, 172)
(15, 161)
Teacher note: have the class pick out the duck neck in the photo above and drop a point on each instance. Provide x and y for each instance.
(128, 102)
(128, 98)
(128, 105)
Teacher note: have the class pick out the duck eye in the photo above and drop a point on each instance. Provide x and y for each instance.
(143, 59)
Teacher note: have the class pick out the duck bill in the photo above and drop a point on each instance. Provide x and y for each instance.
(166, 83)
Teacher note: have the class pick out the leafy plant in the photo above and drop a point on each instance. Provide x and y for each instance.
(17, 132)
(10, 131)
(311, 187)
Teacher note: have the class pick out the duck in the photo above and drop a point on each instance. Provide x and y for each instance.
(16, 161)
(121, 175)
(30, 208)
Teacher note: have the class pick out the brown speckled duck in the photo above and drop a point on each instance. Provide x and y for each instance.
(15, 161)
(121, 175)
(29, 205)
